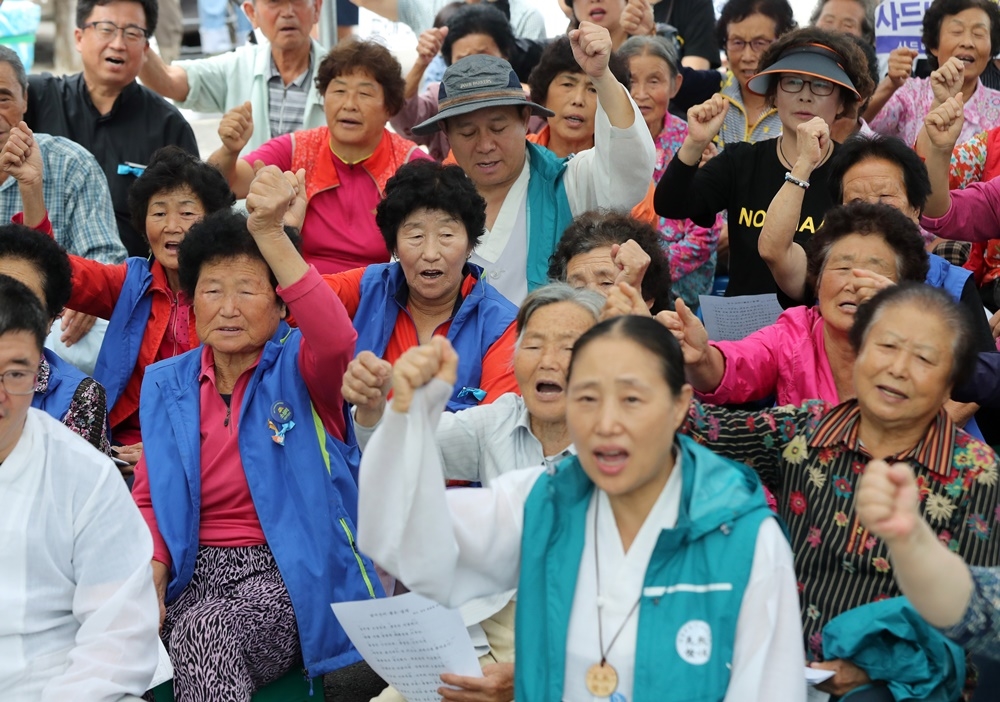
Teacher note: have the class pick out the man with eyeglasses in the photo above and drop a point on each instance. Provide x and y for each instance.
(104, 109)
(275, 77)
(79, 608)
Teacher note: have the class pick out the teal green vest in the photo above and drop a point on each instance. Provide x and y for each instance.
(722, 508)
(548, 211)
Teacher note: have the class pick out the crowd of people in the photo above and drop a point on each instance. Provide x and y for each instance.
(441, 331)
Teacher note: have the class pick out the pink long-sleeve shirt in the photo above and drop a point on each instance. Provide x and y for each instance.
(974, 214)
(787, 359)
(228, 516)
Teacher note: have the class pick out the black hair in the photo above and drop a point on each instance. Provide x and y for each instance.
(220, 236)
(862, 147)
(445, 14)
(21, 310)
(738, 10)
(868, 49)
(594, 229)
(867, 24)
(866, 219)
(939, 9)
(558, 58)
(647, 333)
(434, 186)
(150, 8)
(21, 243)
(928, 299)
(854, 63)
(171, 168)
(483, 18)
(371, 57)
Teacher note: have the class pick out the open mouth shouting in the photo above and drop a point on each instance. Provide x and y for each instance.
(611, 460)
(548, 390)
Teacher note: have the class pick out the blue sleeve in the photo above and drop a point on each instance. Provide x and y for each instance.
(983, 386)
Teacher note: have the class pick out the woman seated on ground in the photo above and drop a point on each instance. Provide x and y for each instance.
(600, 527)
(149, 315)
(912, 344)
(431, 219)
(690, 249)
(808, 353)
(599, 250)
(806, 74)
(347, 162)
(247, 484)
(959, 600)
(961, 37)
(521, 429)
(560, 85)
(61, 390)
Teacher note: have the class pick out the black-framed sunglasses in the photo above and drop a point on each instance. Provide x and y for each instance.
(107, 31)
(817, 86)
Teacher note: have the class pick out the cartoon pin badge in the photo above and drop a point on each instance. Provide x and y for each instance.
(280, 421)
(477, 393)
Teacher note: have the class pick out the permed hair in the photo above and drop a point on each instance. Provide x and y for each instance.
(861, 147)
(939, 9)
(558, 58)
(369, 57)
(426, 184)
(48, 258)
(738, 10)
(587, 300)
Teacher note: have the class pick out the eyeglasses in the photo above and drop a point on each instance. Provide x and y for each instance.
(18, 382)
(736, 46)
(107, 31)
(794, 84)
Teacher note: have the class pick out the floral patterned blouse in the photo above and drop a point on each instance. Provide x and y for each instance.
(812, 458)
(88, 412)
(979, 630)
(690, 249)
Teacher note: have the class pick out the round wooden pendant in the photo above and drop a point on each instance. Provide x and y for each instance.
(602, 679)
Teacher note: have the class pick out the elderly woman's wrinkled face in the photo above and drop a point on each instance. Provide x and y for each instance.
(746, 41)
(169, 215)
(236, 309)
(845, 16)
(904, 365)
(475, 45)
(967, 36)
(593, 270)
(432, 247)
(573, 98)
(542, 357)
(837, 291)
(876, 180)
(622, 416)
(355, 111)
(653, 85)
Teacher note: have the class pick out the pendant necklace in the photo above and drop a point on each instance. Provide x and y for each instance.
(602, 678)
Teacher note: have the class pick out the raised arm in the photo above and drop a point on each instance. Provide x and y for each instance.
(940, 132)
(169, 81)
(704, 365)
(22, 159)
(784, 257)
(900, 68)
(235, 130)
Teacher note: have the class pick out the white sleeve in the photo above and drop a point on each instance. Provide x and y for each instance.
(450, 546)
(115, 651)
(768, 657)
(460, 443)
(617, 172)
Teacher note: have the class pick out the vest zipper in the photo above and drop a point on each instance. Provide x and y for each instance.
(357, 557)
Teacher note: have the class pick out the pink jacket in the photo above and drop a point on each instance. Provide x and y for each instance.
(787, 359)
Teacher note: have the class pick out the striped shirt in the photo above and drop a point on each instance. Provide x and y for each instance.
(78, 200)
(812, 458)
(286, 104)
(736, 125)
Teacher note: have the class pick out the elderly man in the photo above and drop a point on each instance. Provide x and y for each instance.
(276, 78)
(531, 194)
(104, 109)
(76, 589)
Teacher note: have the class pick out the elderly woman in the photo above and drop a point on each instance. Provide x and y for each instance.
(72, 397)
(855, 17)
(559, 84)
(912, 343)
(247, 485)
(526, 428)
(149, 315)
(431, 219)
(690, 249)
(808, 354)
(605, 606)
(746, 28)
(600, 249)
(812, 77)
(962, 37)
(347, 162)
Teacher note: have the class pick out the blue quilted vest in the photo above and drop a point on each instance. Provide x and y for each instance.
(946, 276)
(721, 510)
(482, 318)
(305, 491)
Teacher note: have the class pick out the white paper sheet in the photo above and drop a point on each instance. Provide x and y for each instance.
(409, 641)
(733, 318)
(164, 671)
(815, 676)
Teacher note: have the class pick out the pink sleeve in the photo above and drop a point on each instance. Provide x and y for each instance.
(751, 366)
(327, 344)
(144, 501)
(890, 120)
(276, 152)
(974, 214)
(417, 109)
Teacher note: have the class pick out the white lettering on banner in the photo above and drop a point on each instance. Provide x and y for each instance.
(899, 23)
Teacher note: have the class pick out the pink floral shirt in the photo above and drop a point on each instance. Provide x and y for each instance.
(903, 115)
